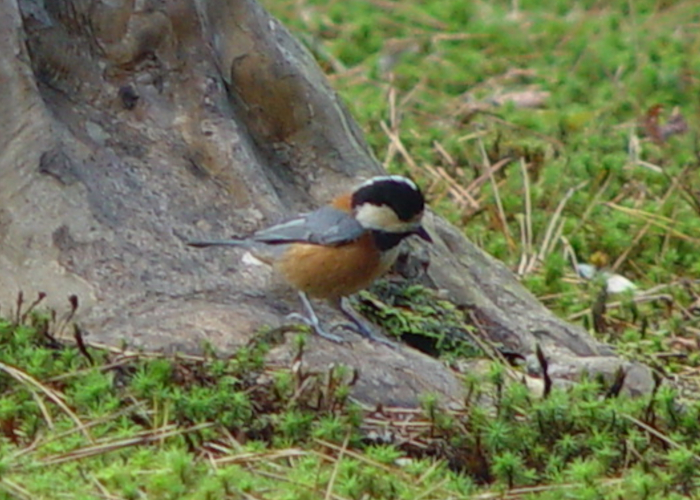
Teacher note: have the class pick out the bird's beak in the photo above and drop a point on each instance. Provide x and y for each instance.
(421, 232)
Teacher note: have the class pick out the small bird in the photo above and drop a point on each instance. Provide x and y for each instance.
(342, 247)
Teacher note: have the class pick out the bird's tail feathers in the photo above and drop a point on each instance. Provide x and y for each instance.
(218, 243)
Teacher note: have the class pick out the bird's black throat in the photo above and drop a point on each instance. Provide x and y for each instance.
(386, 240)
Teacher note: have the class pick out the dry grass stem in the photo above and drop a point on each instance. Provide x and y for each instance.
(496, 193)
(336, 466)
(110, 444)
(548, 242)
(34, 385)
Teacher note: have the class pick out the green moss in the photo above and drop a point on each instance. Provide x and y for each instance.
(417, 316)
(208, 428)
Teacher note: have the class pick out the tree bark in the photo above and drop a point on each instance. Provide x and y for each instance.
(128, 124)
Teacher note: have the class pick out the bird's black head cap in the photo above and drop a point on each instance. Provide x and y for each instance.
(393, 191)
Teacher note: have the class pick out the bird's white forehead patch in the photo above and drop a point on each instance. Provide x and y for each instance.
(384, 178)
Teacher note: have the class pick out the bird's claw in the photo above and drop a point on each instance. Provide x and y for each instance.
(366, 332)
(356, 324)
(361, 325)
(316, 327)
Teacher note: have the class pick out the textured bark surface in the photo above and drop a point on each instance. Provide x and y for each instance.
(128, 124)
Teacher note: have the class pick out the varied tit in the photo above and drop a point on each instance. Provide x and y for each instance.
(342, 247)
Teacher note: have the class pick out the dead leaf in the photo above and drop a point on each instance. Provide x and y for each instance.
(676, 124)
(522, 99)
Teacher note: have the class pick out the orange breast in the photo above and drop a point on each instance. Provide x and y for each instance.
(333, 272)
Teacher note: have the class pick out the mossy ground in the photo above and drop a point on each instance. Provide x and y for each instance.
(441, 89)
(79, 422)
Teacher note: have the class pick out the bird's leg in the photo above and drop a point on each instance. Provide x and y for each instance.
(360, 324)
(312, 321)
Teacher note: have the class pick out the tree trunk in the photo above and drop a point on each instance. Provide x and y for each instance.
(128, 124)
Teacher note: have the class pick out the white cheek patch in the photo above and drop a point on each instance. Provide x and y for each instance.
(383, 218)
(376, 216)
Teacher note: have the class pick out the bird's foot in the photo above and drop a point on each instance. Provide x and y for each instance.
(366, 331)
(361, 325)
(314, 324)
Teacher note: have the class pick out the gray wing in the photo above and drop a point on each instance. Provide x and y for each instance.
(325, 226)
